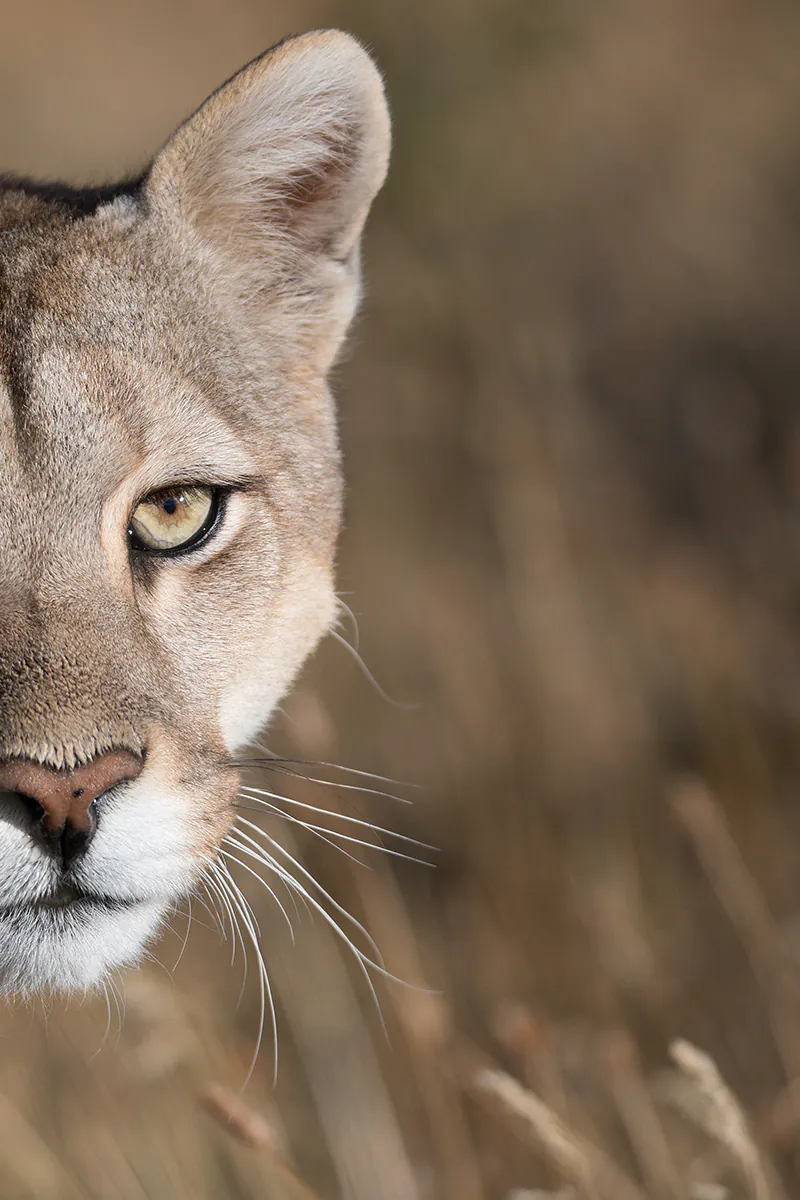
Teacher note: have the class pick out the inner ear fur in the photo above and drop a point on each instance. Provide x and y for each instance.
(282, 161)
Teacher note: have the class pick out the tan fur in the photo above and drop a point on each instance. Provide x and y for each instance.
(180, 334)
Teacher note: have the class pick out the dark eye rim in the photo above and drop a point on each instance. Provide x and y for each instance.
(212, 522)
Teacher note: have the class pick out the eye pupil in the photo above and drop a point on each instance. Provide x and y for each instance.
(170, 506)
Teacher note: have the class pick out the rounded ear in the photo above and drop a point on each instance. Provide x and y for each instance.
(284, 159)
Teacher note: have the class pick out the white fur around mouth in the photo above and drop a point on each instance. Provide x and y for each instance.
(48, 948)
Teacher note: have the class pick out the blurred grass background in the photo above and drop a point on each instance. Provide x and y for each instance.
(572, 437)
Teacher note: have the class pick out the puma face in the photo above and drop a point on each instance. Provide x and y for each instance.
(169, 492)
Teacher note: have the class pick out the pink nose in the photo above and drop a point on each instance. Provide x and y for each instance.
(65, 799)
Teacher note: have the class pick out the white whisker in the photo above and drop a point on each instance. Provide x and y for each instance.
(333, 783)
(219, 898)
(224, 875)
(362, 960)
(325, 833)
(351, 650)
(176, 964)
(318, 832)
(265, 989)
(271, 891)
(348, 612)
(218, 927)
(104, 984)
(253, 792)
(236, 931)
(268, 861)
(278, 760)
(118, 996)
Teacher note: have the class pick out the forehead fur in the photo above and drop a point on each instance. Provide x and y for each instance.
(106, 338)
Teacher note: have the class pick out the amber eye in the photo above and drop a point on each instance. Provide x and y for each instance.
(174, 519)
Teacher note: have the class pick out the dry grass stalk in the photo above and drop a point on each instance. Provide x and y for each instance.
(778, 1127)
(717, 1111)
(703, 819)
(529, 1038)
(354, 1104)
(538, 1194)
(427, 1027)
(238, 1118)
(167, 1038)
(584, 1165)
(637, 1111)
(773, 965)
(248, 1127)
(27, 1159)
(542, 1051)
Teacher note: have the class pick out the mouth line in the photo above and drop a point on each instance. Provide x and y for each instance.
(69, 899)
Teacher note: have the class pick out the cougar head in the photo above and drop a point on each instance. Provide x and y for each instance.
(169, 491)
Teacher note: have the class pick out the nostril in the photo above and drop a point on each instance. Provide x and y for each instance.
(74, 839)
(33, 808)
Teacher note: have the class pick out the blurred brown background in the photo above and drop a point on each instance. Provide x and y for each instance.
(572, 437)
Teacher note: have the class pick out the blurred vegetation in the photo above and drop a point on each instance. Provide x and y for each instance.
(572, 544)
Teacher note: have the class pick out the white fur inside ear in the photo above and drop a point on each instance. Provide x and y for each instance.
(296, 144)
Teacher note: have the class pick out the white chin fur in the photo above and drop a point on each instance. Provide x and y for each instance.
(72, 950)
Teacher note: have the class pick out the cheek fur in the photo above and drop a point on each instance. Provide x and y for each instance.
(276, 653)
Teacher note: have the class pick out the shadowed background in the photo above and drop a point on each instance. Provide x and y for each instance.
(570, 420)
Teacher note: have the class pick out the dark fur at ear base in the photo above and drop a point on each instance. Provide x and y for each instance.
(73, 201)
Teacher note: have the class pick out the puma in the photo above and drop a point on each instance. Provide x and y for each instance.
(170, 492)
